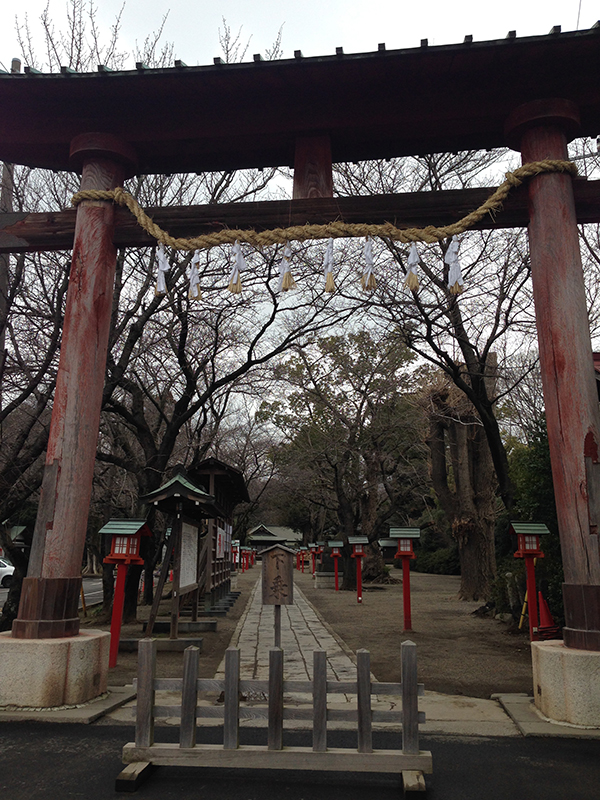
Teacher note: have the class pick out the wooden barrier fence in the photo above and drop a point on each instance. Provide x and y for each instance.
(144, 752)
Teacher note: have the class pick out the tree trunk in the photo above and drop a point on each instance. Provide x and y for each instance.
(459, 447)
(477, 557)
(373, 565)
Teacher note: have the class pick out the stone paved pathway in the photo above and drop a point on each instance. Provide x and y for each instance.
(302, 632)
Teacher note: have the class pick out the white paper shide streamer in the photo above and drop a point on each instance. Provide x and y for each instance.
(194, 291)
(412, 279)
(455, 278)
(163, 268)
(328, 267)
(286, 279)
(368, 281)
(239, 265)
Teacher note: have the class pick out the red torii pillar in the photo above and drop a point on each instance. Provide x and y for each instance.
(50, 594)
(541, 130)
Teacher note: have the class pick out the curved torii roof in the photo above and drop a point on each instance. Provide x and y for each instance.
(372, 105)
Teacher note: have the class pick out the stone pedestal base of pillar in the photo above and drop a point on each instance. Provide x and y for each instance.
(42, 673)
(565, 683)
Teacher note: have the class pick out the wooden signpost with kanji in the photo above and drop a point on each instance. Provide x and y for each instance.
(277, 582)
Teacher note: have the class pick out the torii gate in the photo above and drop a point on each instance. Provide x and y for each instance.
(532, 94)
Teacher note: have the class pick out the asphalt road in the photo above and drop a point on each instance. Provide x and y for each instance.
(47, 761)
(92, 590)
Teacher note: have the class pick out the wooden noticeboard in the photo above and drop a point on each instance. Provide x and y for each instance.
(277, 576)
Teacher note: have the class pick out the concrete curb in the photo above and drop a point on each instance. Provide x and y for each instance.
(522, 711)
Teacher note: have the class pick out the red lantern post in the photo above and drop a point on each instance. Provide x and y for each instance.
(302, 554)
(405, 551)
(528, 547)
(320, 551)
(313, 555)
(336, 552)
(358, 543)
(125, 549)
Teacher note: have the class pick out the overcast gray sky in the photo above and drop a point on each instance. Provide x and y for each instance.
(316, 27)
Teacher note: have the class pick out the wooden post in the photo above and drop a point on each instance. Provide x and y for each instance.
(363, 687)
(410, 705)
(541, 130)
(117, 615)
(164, 571)
(319, 701)
(50, 594)
(312, 168)
(231, 722)
(275, 731)
(144, 714)
(189, 697)
(277, 610)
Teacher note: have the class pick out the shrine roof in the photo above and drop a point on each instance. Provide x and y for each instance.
(232, 477)
(246, 115)
(179, 493)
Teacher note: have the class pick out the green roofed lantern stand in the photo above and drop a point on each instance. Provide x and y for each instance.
(405, 537)
(358, 551)
(528, 547)
(303, 552)
(125, 550)
(336, 551)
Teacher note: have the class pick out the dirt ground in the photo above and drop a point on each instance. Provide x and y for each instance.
(170, 665)
(457, 653)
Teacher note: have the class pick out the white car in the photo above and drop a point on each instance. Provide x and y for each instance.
(6, 573)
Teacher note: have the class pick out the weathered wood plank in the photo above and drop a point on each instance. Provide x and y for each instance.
(164, 571)
(254, 756)
(363, 681)
(232, 699)
(319, 701)
(133, 776)
(21, 232)
(410, 719)
(413, 781)
(289, 713)
(277, 629)
(275, 732)
(189, 697)
(144, 720)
